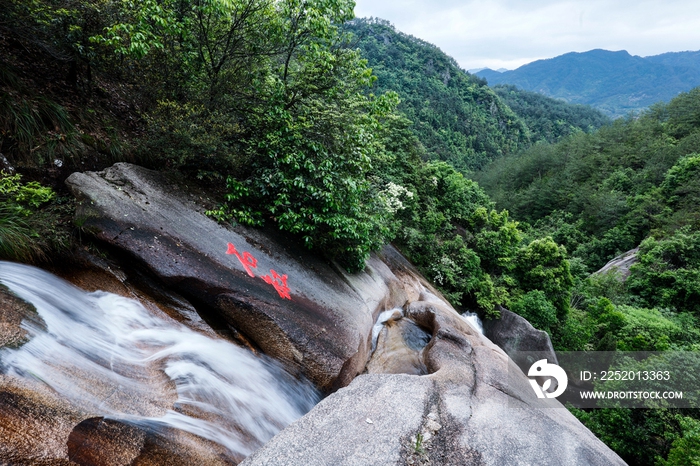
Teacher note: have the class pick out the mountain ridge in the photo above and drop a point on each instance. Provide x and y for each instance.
(615, 82)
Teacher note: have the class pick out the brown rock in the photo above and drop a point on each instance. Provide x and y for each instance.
(12, 311)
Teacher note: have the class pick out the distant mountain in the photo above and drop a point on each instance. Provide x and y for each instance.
(614, 82)
(455, 115)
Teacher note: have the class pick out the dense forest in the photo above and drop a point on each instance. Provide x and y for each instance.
(348, 135)
(548, 119)
(455, 115)
(631, 184)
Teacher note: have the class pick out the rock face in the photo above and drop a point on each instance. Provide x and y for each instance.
(621, 264)
(318, 323)
(12, 311)
(318, 320)
(463, 413)
(516, 336)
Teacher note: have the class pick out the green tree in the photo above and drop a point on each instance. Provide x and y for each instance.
(668, 271)
(542, 265)
(685, 450)
(535, 307)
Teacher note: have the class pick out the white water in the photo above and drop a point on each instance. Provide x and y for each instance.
(111, 357)
(379, 324)
(473, 319)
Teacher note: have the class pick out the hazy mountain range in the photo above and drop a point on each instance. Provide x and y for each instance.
(614, 82)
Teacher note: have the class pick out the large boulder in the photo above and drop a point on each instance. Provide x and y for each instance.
(467, 411)
(12, 312)
(620, 265)
(519, 339)
(292, 305)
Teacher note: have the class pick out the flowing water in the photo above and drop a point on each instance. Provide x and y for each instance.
(473, 319)
(111, 357)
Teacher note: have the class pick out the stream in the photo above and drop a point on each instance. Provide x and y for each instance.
(111, 357)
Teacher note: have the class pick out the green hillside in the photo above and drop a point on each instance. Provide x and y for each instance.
(610, 187)
(550, 119)
(455, 115)
(633, 183)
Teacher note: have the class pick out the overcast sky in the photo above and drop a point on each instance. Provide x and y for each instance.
(510, 33)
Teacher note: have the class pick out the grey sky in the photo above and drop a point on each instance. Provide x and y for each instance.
(510, 33)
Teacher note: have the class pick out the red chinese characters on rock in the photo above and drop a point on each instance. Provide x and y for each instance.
(247, 260)
(279, 282)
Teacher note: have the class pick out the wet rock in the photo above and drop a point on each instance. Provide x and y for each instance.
(519, 339)
(104, 442)
(399, 348)
(466, 410)
(12, 312)
(463, 413)
(5, 165)
(321, 330)
(94, 273)
(33, 426)
(108, 442)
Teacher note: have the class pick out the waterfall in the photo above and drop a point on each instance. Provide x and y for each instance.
(111, 357)
(472, 319)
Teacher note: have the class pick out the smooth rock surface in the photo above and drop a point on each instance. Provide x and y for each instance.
(12, 312)
(519, 339)
(464, 413)
(468, 410)
(620, 265)
(322, 331)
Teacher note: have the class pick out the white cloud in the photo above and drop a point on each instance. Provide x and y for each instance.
(510, 33)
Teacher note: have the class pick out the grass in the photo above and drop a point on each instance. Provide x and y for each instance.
(17, 238)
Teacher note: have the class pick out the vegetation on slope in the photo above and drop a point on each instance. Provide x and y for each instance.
(455, 115)
(601, 194)
(550, 120)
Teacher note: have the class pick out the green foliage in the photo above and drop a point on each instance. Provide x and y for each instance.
(33, 128)
(601, 194)
(681, 191)
(455, 116)
(683, 114)
(316, 186)
(19, 239)
(535, 307)
(685, 450)
(448, 228)
(640, 436)
(646, 330)
(668, 271)
(550, 120)
(542, 265)
(16, 237)
(313, 139)
(23, 196)
(608, 317)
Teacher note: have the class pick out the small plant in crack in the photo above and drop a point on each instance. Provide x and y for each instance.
(418, 447)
